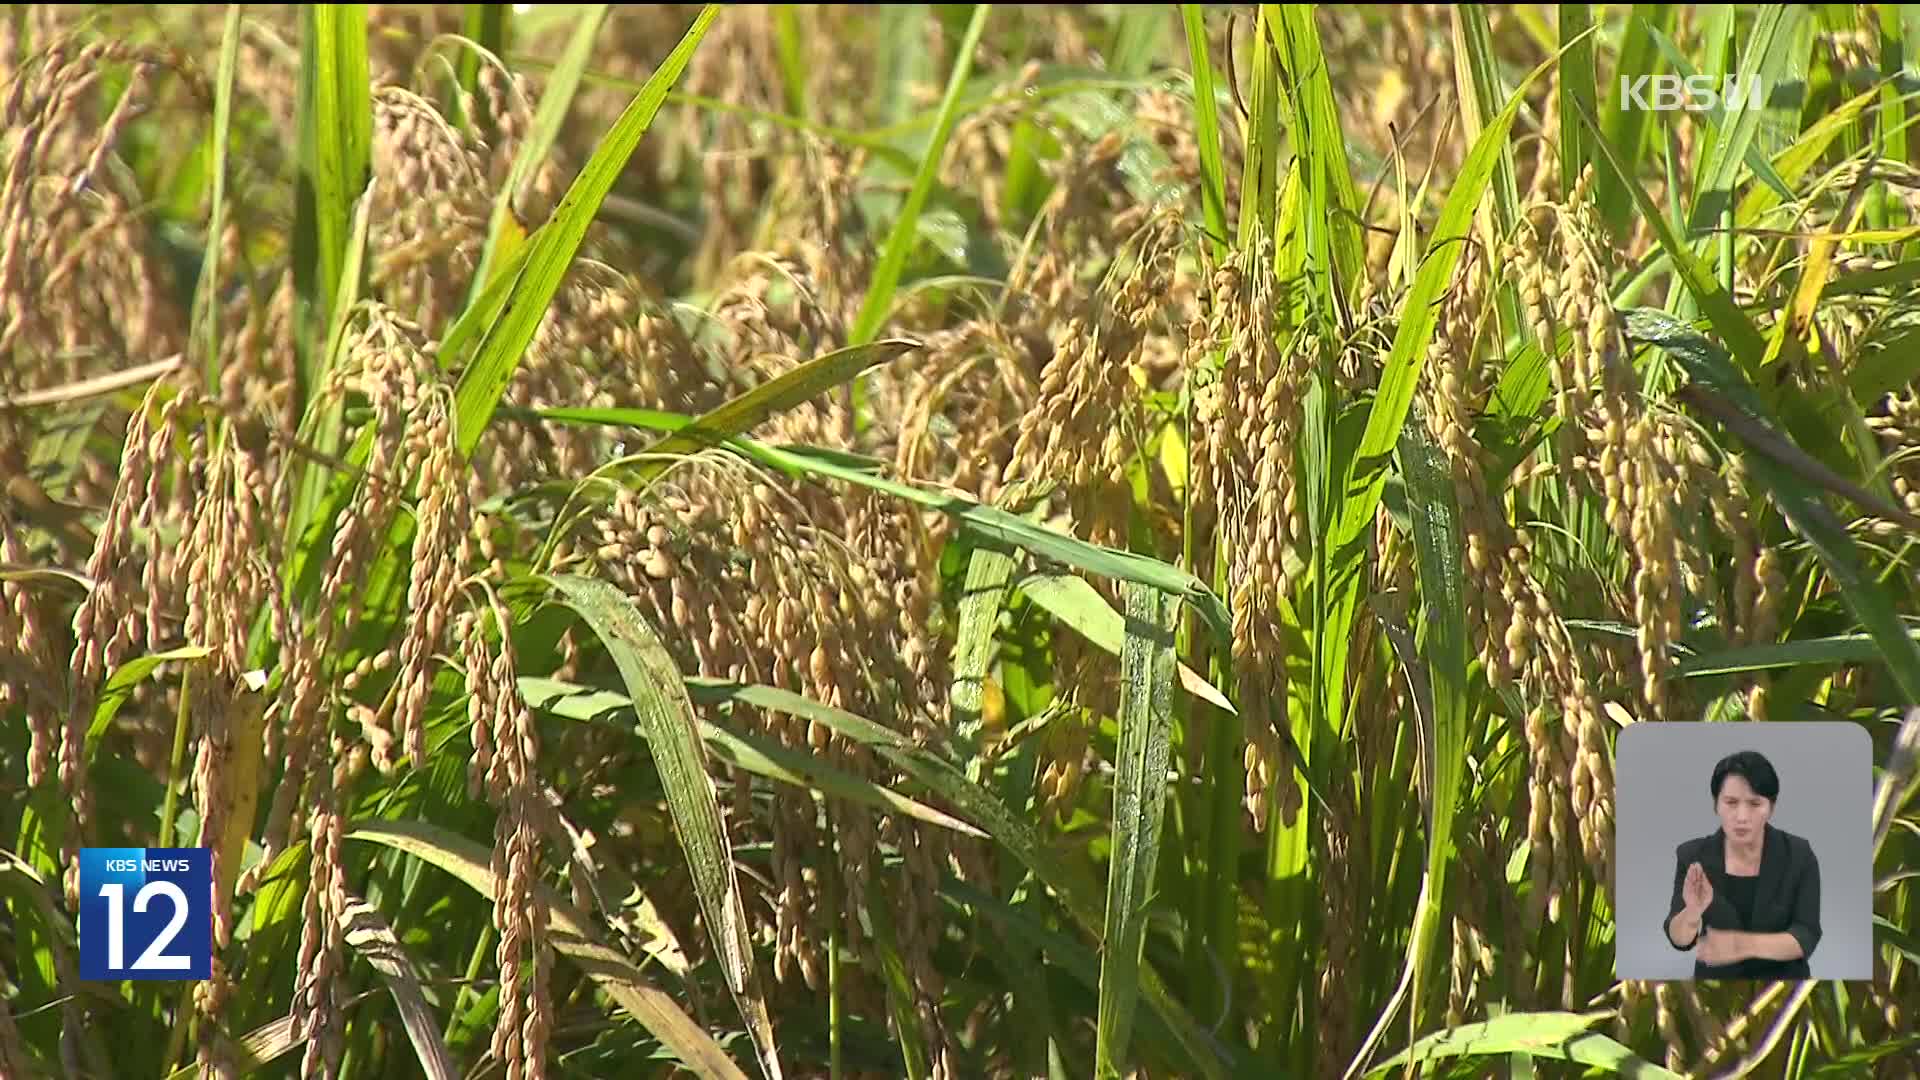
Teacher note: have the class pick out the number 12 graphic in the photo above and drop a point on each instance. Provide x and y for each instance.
(152, 902)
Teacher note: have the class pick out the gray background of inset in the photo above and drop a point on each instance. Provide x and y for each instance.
(1662, 774)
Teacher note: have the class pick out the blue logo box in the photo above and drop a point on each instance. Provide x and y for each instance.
(146, 913)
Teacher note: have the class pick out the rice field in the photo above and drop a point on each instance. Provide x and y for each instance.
(940, 541)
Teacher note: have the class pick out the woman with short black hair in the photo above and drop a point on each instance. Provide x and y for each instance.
(1746, 899)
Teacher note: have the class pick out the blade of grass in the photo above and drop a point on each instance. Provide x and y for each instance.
(1803, 652)
(1206, 130)
(502, 322)
(505, 231)
(988, 575)
(239, 794)
(1760, 437)
(1438, 543)
(320, 424)
(1815, 272)
(877, 144)
(754, 753)
(486, 26)
(1887, 364)
(707, 691)
(672, 732)
(1869, 601)
(1769, 58)
(749, 410)
(1626, 127)
(1078, 605)
(984, 524)
(978, 521)
(1365, 472)
(763, 757)
(1331, 214)
(1021, 924)
(257, 1049)
(275, 918)
(1361, 472)
(1139, 793)
(1025, 943)
(334, 121)
(206, 297)
(1439, 689)
(1137, 38)
(897, 982)
(125, 680)
(906, 227)
(1476, 72)
(1061, 867)
(661, 421)
(1558, 1035)
(572, 937)
(1717, 121)
(1794, 162)
(1732, 324)
(900, 69)
(60, 954)
(482, 310)
(1260, 149)
(1576, 84)
(791, 52)
(551, 250)
(1891, 134)
(372, 939)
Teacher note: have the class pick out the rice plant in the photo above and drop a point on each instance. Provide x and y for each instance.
(938, 541)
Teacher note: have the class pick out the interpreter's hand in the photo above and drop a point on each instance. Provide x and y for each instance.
(1697, 891)
(1718, 948)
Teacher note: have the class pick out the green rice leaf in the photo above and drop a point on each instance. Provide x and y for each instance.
(988, 525)
(373, 940)
(1206, 128)
(673, 735)
(205, 297)
(745, 750)
(125, 680)
(551, 250)
(988, 575)
(1793, 488)
(563, 81)
(1576, 85)
(572, 935)
(1438, 542)
(708, 691)
(1731, 323)
(1770, 57)
(906, 227)
(1736, 132)
(751, 409)
(1331, 212)
(1079, 606)
(1139, 793)
(1059, 866)
(1560, 1036)
(334, 125)
(1365, 472)
(1803, 652)
(257, 1049)
(1367, 475)
(1625, 126)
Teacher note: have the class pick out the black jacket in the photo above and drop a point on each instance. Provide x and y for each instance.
(1786, 899)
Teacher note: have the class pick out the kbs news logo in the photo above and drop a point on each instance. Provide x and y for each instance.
(1694, 93)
